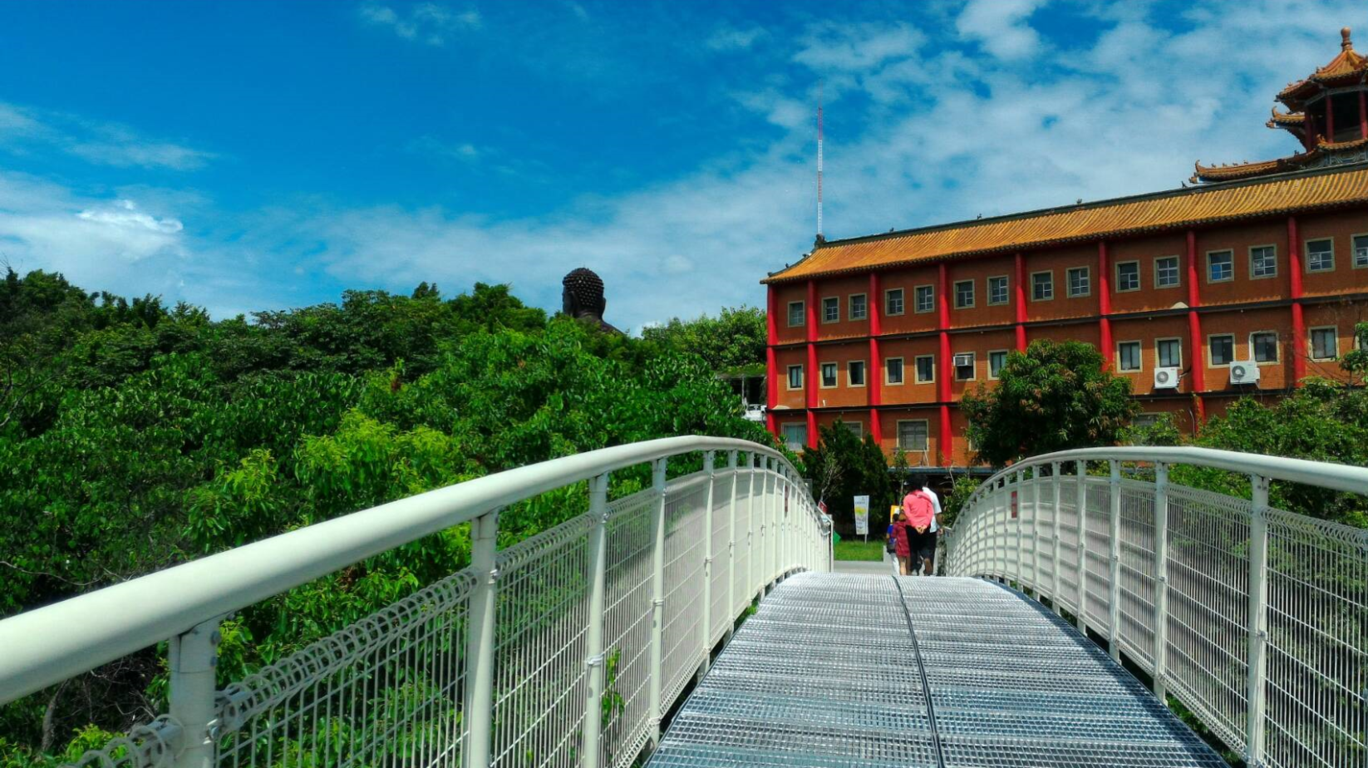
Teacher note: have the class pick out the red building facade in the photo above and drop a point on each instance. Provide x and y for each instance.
(1243, 286)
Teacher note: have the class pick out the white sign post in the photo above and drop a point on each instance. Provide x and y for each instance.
(862, 517)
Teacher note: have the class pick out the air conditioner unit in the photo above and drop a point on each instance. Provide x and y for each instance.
(1165, 378)
(964, 360)
(1244, 373)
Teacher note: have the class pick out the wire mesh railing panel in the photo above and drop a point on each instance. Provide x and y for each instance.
(1043, 519)
(1136, 570)
(1317, 685)
(684, 549)
(1208, 578)
(386, 690)
(1067, 525)
(627, 625)
(747, 484)
(539, 648)
(1097, 551)
(721, 552)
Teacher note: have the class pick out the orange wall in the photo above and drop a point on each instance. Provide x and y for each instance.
(910, 321)
(1059, 262)
(1344, 278)
(909, 350)
(783, 294)
(1147, 251)
(842, 395)
(783, 358)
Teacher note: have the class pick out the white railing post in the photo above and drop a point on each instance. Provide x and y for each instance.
(1114, 603)
(594, 661)
(657, 599)
(705, 626)
(1160, 580)
(1002, 511)
(1020, 539)
(1036, 579)
(776, 520)
(1255, 691)
(750, 531)
(1082, 503)
(1057, 593)
(766, 532)
(193, 660)
(733, 466)
(479, 703)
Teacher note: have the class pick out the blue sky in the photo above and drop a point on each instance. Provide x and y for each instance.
(247, 156)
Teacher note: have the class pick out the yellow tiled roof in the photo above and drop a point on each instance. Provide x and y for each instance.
(1110, 218)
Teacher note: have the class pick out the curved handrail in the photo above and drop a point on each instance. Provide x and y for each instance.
(47, 645)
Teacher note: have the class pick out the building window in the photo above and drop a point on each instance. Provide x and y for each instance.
(997, 290)
(1360, 251)
(1263, 347)
(1127, 276)
(926, 369)
(996, 359)
(1042, 286)
(964, 366)
(1320, 255)
(926, 298)
(828, 375)
(795, 436)
(1220, 266)
(859, 307)
(855, 373)
(964, 294)
(795, 317)
(893, 302)
(1263, 261)
(855, 427)
(893, 370)
(1079, 282)
(912, 435)
(1169, 352)
(1166, 272)
(1324, 343)
(1128, 356)
(1145, 420)
(795, 377)
(831, 309)
(1222, 349)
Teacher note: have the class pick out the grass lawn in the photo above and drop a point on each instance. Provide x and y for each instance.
(858, 550)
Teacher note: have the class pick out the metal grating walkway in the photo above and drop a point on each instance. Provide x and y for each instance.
(836, 670)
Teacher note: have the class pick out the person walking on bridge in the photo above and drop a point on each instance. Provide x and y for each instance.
(919, 515)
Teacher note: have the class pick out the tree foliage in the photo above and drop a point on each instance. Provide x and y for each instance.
(732, 342)
(843, 466)
(1052, 397)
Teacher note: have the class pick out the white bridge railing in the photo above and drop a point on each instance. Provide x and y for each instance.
(564, 649)
(1255, 618)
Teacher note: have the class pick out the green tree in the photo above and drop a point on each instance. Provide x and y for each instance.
(1052, 397)
(732, 342)
(843, 466)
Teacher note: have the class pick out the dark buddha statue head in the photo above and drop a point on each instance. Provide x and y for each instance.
(582, 297)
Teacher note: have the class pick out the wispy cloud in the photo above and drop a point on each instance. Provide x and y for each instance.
(431, 23)
(1002, 27)
(26, 130)
(729, 38)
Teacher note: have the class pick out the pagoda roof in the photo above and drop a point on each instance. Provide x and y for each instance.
(1309, 159)
(1347, 67)
(1126, 216)
(1286, 119)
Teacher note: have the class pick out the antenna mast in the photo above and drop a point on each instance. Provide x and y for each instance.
(819, 159)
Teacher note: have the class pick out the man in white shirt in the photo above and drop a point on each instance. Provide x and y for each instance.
(930, 563)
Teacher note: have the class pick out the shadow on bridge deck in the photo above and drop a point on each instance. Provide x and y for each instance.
(844, 670)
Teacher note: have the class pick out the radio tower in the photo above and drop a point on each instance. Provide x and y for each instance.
(819, 160)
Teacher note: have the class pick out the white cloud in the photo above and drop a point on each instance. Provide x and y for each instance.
(125, 214)
(1001, 27)
(729, 38)
(431, 23)
(25, 130)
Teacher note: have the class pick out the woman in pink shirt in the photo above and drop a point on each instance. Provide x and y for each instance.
(919, 512)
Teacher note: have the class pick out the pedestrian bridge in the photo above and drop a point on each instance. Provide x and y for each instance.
(614, 636)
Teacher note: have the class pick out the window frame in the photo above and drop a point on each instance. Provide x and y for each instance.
(902, 302)
(1068, 282)
(1048, 273)
(1277, 348)
(1139, 356)
(1274, 274)
(1158, 361)
(783, 432)
(835, 319)
(973, 366)
(802, 312)
(897, 435)
(1353, 250)
(850, 306)
(864, 374)
(1209, 254)
(1139, 284)
(955, 288)
(1211, 358)
(1007, 290)
(1311, 343)
(902, 372)
(916, 369)
(802, 378)
(916, 298)
(1306, 253)
(835, 375)
(991, 352)
(1177, 270)
(858, 430)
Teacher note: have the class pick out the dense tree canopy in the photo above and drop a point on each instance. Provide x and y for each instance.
(843, 466)
(733, 342)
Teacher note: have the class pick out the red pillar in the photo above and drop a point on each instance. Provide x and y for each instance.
(1103, 306)
(1363, 115)
(771, 368)
(945, 441)
(1195, 342)
(875, 372)
(812, 377)
(1294, 268)
(1329, 119)
(1019, 302)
